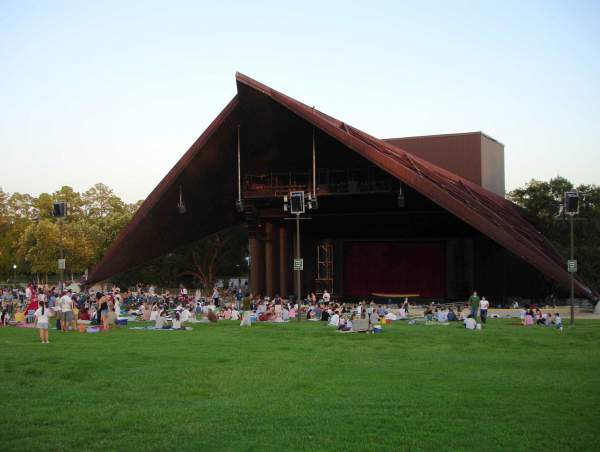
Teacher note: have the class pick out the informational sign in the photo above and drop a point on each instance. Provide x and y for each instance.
(298, 264)
(61, 264)
(572, 266)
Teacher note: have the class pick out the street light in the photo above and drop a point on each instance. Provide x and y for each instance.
(296, 204)
(571, 208)
(60, 211)
(15, 273)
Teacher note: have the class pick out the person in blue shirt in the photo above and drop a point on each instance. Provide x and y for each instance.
(238, 298)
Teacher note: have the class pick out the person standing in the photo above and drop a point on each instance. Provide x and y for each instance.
(238, 298)
(483, 309)
(474, 304)
(216, 296)
(41, 321)
(66, 306)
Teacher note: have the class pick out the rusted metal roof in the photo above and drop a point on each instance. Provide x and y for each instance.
(492, 215)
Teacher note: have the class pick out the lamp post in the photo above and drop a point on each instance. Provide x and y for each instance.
(15, 273)
(60, 211)
(296, 205)
(571, 208)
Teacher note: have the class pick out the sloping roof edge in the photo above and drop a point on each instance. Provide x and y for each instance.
(491, 214)
(101, 270)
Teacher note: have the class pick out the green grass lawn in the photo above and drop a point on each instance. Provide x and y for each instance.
(291, 386)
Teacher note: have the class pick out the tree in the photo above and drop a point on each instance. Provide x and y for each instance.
(221, 254)
(100, 202)
(38, 247)
(541, 202)
(198, 264)
(78, 250)
(21, 207)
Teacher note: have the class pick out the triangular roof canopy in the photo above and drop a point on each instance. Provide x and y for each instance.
(157, 228)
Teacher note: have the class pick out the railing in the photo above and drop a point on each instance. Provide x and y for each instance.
(329, 182)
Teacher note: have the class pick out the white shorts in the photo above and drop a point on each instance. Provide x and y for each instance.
(42, 325)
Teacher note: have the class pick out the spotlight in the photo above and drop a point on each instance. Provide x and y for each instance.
(401, 200)
(181, 205)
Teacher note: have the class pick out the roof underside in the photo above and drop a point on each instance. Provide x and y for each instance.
(206, 179)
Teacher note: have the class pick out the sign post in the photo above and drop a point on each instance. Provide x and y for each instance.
(571, 208)
(296, 205)
(298, 269)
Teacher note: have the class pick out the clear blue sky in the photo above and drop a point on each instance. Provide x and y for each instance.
(115, 92)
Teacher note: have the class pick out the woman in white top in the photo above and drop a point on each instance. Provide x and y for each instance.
(154, 313)
(176, 323)
(185, 315)
(334, 320)
(42, 321)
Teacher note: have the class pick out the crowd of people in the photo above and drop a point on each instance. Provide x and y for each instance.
(102, 311)
(533, 315)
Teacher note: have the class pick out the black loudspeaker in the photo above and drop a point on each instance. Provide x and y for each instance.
(571, 202)
(297, 202)
(60, 209)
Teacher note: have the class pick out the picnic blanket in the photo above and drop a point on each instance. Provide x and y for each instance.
(187, 328)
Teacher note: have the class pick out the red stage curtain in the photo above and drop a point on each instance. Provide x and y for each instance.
(395, 267)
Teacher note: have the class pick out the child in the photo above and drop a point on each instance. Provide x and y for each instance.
(558, 321)
(41, 321)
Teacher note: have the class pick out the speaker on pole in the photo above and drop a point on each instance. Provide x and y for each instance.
(60, 209)
(572, 202)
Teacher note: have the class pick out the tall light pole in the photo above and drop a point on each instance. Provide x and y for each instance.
(571, 208)
(61, 264)
(296, 204)
(298, 267)
(60, 212)
(15, 273)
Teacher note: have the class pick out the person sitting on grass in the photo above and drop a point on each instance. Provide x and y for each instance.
(528, 318)
(212, 317)
(460, 314)
(154, 313)
(451, 315)
(285, 312)
(539, 317)
(334, 320)
(345, 325)
(428, 314)
(161, 319)
(442, 316)
(185, 315)
(470, 323)
(176, 324)
(373, 319)
(83, 320)
(391, 316)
